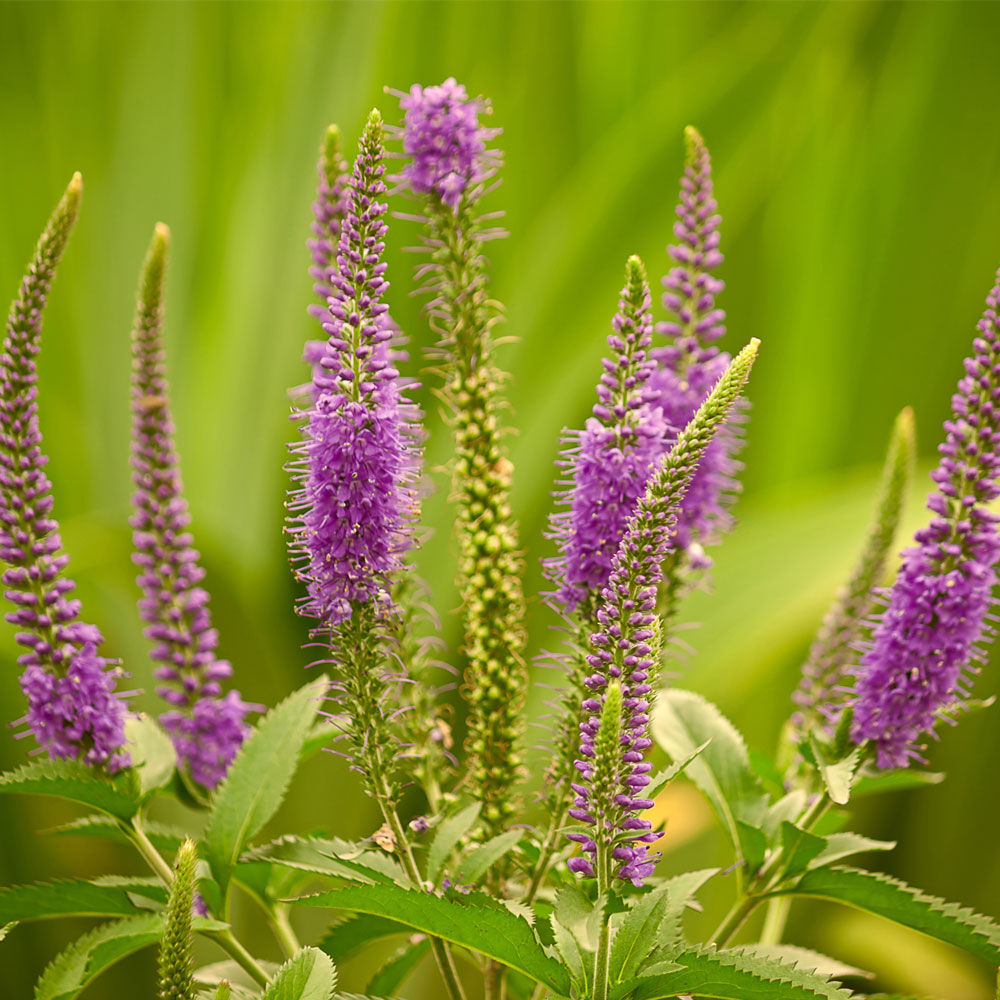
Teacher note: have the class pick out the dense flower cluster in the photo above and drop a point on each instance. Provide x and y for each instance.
(73, 710)
(444, 140)
(359, 451)
(924, 645)
(207, 728)
(624, 647)
(691, 363)
(608, 463)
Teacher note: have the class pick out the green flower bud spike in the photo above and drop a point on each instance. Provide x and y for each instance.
(175, 980)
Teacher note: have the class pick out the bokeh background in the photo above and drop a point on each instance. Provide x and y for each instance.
(857, 161)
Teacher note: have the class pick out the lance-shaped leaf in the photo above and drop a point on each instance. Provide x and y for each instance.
(165, 838)
(448, 834)
(895, 900)
(258, 778)
(107, 897)
(475, 921)
(69, 779)
(352, 932)
(309, 975)
(395, 971)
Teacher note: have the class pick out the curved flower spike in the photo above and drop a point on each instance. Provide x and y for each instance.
(924, 649)
(73, 710)
(207, 727)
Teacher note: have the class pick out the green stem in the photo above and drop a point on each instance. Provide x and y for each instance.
(775, 918)
(603, 957)
(283, 930)
(236, 951)
(548, 849)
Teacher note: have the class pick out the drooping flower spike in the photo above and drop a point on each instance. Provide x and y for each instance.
(691, 363)
(450, 162)
(832, 653)
(623, 657)
(608, 463)
(73, 709)
(207, 726)
(925, 647)
(359, 454)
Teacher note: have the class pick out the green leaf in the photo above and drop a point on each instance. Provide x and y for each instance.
(478, 861)
(258, 779)
(576, 922)
(753, 845)
(350, 934)
(899, 780)
(69, 779)
(110, 897)
(731, 975)
(799, 848)
(153, 756)
(838, 776)
(682, 722)
(844, 845)
(309, 975)
(88, 956)
(164, 837)
(395, 971)
(681, 891)
(664, 777)
(448, 834)
(475, 921)
(6, 929)
(637, 935)
(805, 958)
(895, 900)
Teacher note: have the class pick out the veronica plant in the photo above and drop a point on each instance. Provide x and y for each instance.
(516, 885)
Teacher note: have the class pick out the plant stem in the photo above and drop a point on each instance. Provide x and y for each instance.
(243, 958)
(283, 930)
(775, 919)
(603, 957)
(548, 849)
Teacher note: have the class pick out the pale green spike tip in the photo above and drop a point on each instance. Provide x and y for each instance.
(905, 429)
(75, 187)
(374, 118)
(635, 270)
(223, 992)
(155, 263)
(694, 144)
(331, 144)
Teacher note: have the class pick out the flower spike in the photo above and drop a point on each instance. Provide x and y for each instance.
(449, 166)
(622, 660)
(832, 651)
(73, 709)
(175, 961)
(206, 726)
(924, 649)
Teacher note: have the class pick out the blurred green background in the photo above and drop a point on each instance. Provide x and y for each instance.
(857, 161)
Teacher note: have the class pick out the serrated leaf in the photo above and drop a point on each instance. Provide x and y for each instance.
(448, 834)
(164, 837)
(153, 756)
(395, 971)
(478, 861)
(768, 771)
(752, 844)
(308, 975)
(838, 776)
(6, 929)
(69, 779)
(891, 781)
(242, 986)
(109, 897)
(258, 779)
(683, 721)
(895, 900)
(351, 933)
(805, 958)
(681, 892)
(664, 777)
(474, 921)
(799, 848)
(731, 975)
(844, 845)
(636, 935)
(790, 807)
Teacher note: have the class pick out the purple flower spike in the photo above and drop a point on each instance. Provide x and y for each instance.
(328, 214)
(609, 462)
(207, 728)
(359, 453)
(442, 134)
(691, 363)
(73, 710)
(924, 649)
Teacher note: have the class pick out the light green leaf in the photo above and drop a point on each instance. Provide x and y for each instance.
(895, 900)
(664, 777)
(799, 848)
(682, 722)
(69, 779)
(309, 975)
(731, 975)
(165, 838)
(478, 861)
(448, 834)
(838, 776)
(899, 780)
(805, 958)
(109, 897)
(681, 891)
(475, 921)
(637, 934)
(395, 971)
(153, 756)
(844, 845)
(258, 779)
(6, 929)
(576, 924)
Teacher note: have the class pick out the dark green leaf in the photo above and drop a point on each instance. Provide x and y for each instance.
(799, 848)
(475, 921)
(258, 779)
(69, 779)
(752, 844)
(477, 862)
(682, 722)
(164, 838)
(110, 897)
(448, 834)
(353, 932)
(309, 975)
(895, 900)
(394, 972)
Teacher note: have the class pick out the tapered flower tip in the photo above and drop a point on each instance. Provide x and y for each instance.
(154, 266)
(635, 271)
(694, 144)
(904, 430)
(75, 187)
(332, 146)
(374, 121)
